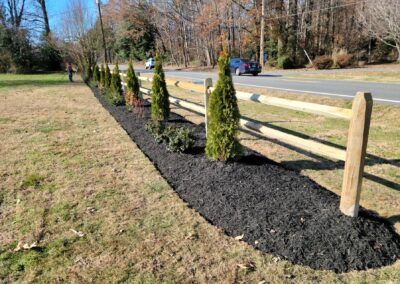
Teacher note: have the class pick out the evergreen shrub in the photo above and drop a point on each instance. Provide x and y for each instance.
(223, 116)
(159, 94)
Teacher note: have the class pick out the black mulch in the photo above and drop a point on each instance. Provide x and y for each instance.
(277, 210)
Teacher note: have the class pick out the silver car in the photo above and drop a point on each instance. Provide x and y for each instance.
(150, 63)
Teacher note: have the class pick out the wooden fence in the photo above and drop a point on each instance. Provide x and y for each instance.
(354, 155)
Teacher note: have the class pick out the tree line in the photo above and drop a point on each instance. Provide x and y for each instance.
(26, 41)
(282, 33)
(295, 31)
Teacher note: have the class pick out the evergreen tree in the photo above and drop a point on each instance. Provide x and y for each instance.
(116, 84)
(96, 73)
(223, 115)
(132, 81)
(102, 76)
(87, 72)
(107, 77)
(160, 96)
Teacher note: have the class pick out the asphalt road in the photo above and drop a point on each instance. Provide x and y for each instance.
(387, 93)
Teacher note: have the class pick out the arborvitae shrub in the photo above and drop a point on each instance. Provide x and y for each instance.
(223, 116)
(102, 76)
(323, 62)
(132, 81)
(87, 72)
(132, 87)
(107, 77)
(160, 96)
(96, 73)
(114, 92)
(116, 84)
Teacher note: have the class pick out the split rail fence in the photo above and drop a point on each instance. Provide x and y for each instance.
(354, 155)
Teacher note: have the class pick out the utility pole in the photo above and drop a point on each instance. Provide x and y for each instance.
(102, 32)
(262, 34)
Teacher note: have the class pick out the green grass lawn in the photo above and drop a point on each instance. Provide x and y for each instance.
(12, 81)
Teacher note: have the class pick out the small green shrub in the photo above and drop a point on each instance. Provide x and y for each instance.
(102, 77)
(114, 98)
(223, 114)
(116, 83)
(159, 94)
(323, 62)
(176, 139)
(284, 62)
(107, 77)
(156, 129)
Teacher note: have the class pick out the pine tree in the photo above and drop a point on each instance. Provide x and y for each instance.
(160, 96)
(116, 84)
(96, 73)
(107, 77)
(223, 115)
(102, 76)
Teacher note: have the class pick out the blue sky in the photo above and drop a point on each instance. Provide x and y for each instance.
(56, 8)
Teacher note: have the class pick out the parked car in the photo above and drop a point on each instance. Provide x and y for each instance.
(150, 63)
(241, 66)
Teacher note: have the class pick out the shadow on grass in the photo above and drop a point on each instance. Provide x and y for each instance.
(325, 164)
(394, 219)
(369, 161)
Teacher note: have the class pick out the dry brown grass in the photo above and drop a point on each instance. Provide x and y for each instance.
(66, 164)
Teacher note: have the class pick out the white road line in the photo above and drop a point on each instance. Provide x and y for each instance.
(297, 91)
(312, 92)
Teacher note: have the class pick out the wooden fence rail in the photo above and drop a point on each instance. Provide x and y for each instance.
(354, 155)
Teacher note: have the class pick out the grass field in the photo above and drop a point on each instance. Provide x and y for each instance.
(94, 209)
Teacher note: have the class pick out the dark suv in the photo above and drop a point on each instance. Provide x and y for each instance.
(243, 66)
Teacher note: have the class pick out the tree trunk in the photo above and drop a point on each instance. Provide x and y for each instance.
(45, 17)
(262, 34)
(398, 52)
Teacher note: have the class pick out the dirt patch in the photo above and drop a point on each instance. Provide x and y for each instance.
(272, 208)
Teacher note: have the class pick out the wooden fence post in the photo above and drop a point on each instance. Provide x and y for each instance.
(207, 86)
(355, 154)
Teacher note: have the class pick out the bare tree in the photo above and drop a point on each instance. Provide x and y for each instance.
(16, 9)
(382, 20)
(42, 4)
(81, 38)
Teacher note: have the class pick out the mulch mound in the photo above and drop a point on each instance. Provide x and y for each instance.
(277, 210)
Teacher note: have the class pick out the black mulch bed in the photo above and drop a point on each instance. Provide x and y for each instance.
(277, 210)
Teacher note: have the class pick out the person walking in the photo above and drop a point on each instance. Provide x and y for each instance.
(70, 72)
